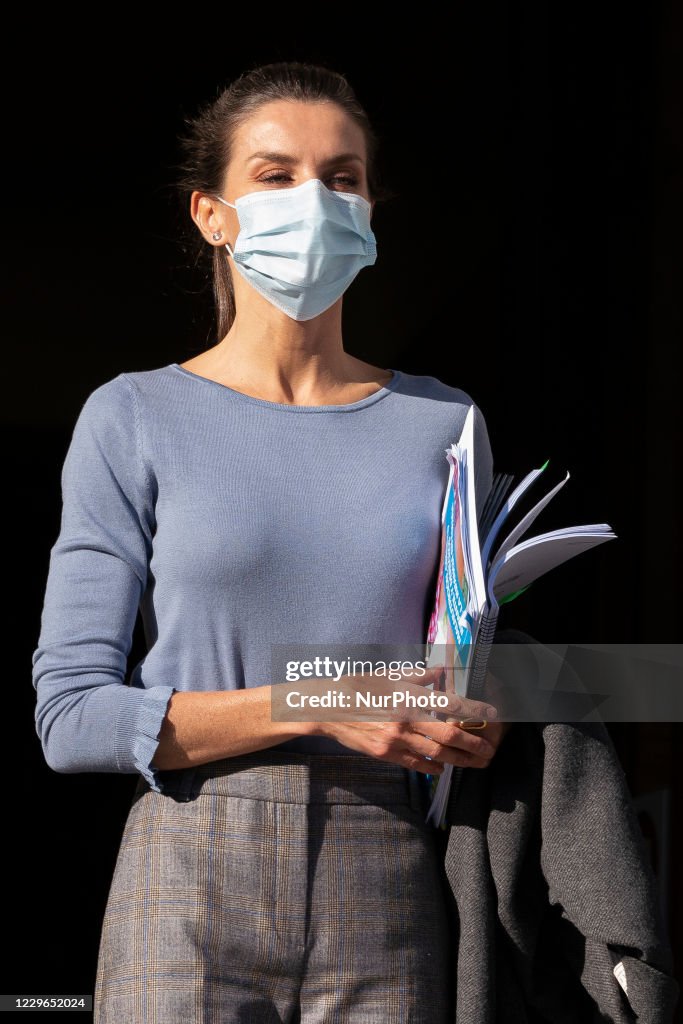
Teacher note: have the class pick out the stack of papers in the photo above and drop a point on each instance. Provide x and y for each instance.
(481, 567)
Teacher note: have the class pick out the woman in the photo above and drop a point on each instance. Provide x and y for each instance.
(248, 498)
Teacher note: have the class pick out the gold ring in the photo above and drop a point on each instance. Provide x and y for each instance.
(465, 724)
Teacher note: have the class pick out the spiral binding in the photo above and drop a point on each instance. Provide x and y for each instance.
(477, 675)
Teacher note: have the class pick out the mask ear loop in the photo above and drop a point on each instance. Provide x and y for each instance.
(225, 201)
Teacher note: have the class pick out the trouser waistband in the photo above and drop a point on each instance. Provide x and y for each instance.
(290, 777)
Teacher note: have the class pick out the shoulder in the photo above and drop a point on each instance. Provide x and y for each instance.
(105, 403)
(443, 403)
(109, 439)
(112, 416)
(122, 396)
(430, 388)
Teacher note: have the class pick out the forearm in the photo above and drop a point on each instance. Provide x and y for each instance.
(202, 726)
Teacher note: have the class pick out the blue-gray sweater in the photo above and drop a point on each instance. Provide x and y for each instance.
(232, 523)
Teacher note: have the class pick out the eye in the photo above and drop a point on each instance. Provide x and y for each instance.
(341, 180)
(277, 176)
(345, 181)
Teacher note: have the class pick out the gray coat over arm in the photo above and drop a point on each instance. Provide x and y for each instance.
(552, 887)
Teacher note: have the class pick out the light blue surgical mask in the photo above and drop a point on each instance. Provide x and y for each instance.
(302, 247)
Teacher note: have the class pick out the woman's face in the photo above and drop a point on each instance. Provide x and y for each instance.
(285, 143)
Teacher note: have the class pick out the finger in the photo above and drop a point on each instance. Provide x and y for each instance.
(427, 744)
(456, 758)
(431, 676)
(463, 758)
(450, 734)
(477, 762)
(465, 708)
(421, 764)
(408, 758)
(476, 710)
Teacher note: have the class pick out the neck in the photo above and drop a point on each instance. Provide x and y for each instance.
(267, 351)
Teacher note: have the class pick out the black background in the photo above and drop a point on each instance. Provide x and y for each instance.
(531, 256)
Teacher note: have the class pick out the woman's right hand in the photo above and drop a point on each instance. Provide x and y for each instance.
(410, 738)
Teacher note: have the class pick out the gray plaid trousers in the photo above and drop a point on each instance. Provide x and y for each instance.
(278, 888)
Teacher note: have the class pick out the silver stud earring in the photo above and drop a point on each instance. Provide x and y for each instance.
(216, 235)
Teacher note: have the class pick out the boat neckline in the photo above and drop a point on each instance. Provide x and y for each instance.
(362, 403)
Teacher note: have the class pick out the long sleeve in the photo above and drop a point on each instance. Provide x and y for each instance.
(88, 717)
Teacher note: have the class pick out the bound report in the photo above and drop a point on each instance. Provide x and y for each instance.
(482, 565)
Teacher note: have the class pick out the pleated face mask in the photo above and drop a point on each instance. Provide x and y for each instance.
(302, 247)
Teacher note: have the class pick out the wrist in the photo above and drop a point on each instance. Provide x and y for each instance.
(313, 728)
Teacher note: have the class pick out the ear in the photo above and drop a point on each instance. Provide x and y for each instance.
(209, 216)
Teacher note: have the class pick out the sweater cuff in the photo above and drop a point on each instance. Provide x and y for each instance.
(138, 728)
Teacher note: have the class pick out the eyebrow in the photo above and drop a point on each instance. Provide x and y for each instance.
(284, 158)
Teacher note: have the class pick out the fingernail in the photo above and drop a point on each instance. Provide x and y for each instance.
(491, 713)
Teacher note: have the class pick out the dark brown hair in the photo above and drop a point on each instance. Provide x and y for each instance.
(206, 143)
